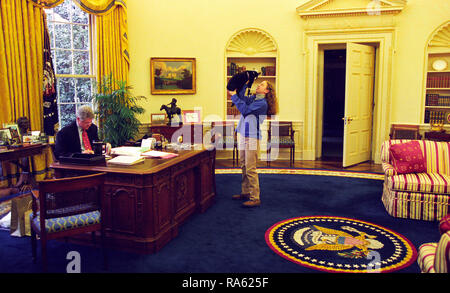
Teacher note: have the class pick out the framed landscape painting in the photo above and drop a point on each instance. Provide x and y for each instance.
(173, 76)
(158, 119)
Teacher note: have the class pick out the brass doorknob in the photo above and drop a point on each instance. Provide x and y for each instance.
(347, 119)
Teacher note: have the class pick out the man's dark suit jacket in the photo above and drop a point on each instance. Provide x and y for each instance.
(68, 139)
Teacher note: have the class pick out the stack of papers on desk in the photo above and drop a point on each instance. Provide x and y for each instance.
(128, 151)
(157, 154)
(126, 160)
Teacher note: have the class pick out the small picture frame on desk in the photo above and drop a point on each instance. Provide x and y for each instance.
(191, 116)
(27, 139)
(14, 129)
(158, 119)
(5, 134)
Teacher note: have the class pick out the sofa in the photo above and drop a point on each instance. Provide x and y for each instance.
(417, 179)
(435, 257)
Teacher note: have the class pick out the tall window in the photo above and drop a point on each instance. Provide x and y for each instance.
(72, 54)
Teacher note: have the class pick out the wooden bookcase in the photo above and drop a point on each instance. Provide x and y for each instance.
(437, 83)
(437, 93)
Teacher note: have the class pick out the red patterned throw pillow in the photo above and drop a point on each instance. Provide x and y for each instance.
(444, 224)
(407, 157)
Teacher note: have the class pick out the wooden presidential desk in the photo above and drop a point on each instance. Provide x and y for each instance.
(145, 203)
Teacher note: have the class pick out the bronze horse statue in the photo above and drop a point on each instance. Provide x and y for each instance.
(172, 110)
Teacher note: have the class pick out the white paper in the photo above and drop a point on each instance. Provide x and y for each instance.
(126, 160)
(157, 154)
(148, 142)
(126, 151)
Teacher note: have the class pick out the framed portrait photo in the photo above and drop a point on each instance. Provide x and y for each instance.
(191, 116)
(158, 119)
(172, 76)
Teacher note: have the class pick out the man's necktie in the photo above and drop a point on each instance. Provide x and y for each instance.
(86, 143)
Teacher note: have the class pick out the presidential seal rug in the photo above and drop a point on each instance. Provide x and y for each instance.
(344, 245)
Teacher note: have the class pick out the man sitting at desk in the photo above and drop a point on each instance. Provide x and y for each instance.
(78, 136)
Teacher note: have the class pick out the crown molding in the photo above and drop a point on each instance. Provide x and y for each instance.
(328, 8)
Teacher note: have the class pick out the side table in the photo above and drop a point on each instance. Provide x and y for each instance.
(437, 136)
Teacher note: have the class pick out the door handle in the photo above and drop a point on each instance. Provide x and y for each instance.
(347, 120)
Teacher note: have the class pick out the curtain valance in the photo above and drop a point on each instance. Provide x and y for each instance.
(97, 7)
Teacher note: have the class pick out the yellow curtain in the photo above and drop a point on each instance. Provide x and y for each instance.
(21, 65)
(111, 32)
(112, 45)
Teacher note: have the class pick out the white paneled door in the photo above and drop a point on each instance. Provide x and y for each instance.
(358, 103)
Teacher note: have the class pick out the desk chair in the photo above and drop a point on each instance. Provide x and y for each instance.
(66, 207)
(281, 135)
(404, 131)
(223, 136)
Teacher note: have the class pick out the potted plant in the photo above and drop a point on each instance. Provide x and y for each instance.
(116, 109)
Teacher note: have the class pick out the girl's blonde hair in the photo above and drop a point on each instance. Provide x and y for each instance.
(271, 99)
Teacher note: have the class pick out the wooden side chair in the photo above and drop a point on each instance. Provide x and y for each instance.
(405, 131)
(281, 135)
(223, 136)
(66, 207)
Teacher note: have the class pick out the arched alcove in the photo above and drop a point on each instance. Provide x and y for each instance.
(437, 77)
(250, 49)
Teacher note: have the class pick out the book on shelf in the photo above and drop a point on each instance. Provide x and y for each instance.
(437, 100)
(438, 81)
(126, 160)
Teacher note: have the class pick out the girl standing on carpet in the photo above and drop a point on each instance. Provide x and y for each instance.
(254, 109)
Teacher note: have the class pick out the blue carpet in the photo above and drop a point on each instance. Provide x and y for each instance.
(230, 239)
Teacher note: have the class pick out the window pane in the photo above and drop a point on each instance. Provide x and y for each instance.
(51, 34)
(79, 16)
(67, 114)
(62, 12)
(80, 37)
(84, 89)
(66, 90)
(81, 62)
(69, 29)
(49, 13)
(63, 62)
(64, 39)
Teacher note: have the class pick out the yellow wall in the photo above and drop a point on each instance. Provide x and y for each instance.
(202, 28)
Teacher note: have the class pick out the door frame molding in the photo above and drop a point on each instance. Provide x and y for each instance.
(314, 40)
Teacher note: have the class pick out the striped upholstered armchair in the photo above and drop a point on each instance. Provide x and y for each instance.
(417, 183)
(435, 257)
